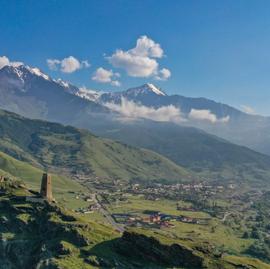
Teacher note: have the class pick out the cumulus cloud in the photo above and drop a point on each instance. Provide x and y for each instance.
(53, 64)
(103, 75)
(146, 47)
(163, 74)
(130, 110)
(141, 61)
(67, 65)
(248, 109)
(5, 61)
(207, 115)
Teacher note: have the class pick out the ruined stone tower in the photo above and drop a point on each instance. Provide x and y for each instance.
(46, 187)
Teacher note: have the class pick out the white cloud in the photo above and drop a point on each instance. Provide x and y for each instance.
(163, 74)
(130, 110)
(146, 47)
(116, 83)
(5, 61)
(103, 75)
(135, 66)
(85, 64)
(207, 115)
(53, 64)
(248, 109)
(140, 61)
(67, 65)
(70, 64)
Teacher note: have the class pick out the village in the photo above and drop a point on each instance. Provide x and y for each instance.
(164, 190)
(156, 220)
(109, 201)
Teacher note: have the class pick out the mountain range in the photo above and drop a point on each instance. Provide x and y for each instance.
(143, 117)
(191, 153)
(30, 92)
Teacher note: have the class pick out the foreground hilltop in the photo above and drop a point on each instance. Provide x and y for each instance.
(59, 239)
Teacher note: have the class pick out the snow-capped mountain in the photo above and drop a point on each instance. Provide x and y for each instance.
(150, 95)
(17, 77)
(146, 91)
(89, 94)
(215, 118)
(30, 92)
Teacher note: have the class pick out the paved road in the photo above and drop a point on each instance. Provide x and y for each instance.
(107, 215)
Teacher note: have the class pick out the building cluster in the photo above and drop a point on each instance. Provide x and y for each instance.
(89, 209)
(156, 219)
(155, 191)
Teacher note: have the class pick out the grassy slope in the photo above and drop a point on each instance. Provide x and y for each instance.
(72, 243)
(32, 178)
(195, 150)
(52, 145)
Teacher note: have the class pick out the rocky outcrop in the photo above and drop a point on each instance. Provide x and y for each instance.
(141, 247)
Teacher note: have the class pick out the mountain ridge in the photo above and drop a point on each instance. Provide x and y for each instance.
(65, 103)
(66, 149)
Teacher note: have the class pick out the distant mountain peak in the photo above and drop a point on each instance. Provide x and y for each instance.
(155, 89)
(21, 71)
(36, 71)
(146, 89)
(61, 82)
(88, 94)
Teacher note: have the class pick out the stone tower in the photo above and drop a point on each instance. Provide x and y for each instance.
(46, 187)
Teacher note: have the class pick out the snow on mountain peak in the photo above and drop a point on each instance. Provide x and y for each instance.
(154, 89)
(23, 70)
(146, 89)
(61, 82)
(88, 94)
(37, 72)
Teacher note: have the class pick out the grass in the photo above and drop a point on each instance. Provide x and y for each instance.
(215, 232)
(51, 145)
(138, 204)
(64, 231)
(32, 178)
(254, 263)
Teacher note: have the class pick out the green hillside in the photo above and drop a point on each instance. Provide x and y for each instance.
(205, 154)
(42, 235)
(31, 176)
(78, 152)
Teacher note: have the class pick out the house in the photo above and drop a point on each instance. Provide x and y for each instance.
(155, 218)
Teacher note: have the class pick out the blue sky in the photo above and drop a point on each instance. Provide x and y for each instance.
(216, 49)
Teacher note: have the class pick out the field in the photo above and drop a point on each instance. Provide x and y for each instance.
(215, 232)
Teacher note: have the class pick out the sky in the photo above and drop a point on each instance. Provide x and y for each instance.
(214, 49)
